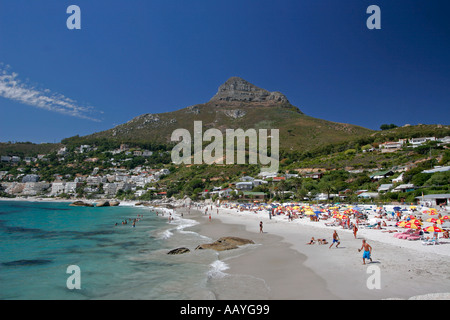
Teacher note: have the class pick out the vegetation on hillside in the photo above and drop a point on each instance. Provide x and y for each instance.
(346, 166)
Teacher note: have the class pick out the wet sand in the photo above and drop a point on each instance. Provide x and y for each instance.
(279, 268)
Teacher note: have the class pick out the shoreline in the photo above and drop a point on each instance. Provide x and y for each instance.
(286, 268)
(323, 273)
(274, 260)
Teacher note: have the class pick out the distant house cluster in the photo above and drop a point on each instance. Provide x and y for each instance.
(393, 146)
(102, 185)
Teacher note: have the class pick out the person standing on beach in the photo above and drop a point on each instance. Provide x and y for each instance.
(355, 230)
(335, 239)
(367, 251)
(260, 227)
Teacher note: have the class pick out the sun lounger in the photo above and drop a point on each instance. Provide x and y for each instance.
(430, 241)
(413, 238)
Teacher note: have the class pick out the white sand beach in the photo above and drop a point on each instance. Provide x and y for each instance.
(287, 268)
(407, 269)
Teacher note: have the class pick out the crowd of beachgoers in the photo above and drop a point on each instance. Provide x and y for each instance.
(387, 223)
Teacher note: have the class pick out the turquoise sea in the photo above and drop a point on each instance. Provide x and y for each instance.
(39, 240)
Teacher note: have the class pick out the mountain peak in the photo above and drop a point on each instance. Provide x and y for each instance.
(238, 89)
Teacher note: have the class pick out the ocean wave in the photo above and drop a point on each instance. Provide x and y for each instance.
(217, 269)
(166, 234)
(185, 223)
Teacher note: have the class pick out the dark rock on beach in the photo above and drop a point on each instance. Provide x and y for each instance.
(179, 251)
(103, 204)
(225, 243)
(80, 204)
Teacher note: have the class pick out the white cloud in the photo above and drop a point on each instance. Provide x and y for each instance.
(14, 89)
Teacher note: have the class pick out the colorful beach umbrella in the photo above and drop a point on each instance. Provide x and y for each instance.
(401, 224)
(431, 211)
(434, 229)
(445, 218)
(434, 220)
(412, 225)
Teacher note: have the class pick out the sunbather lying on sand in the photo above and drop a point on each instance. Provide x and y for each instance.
(320, 241)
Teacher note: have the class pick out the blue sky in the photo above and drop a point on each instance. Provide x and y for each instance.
(140, 56)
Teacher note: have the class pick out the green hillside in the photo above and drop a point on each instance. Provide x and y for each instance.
(297, 130)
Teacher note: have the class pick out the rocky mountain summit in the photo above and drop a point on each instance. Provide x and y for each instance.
(238, 89)
(238, 104)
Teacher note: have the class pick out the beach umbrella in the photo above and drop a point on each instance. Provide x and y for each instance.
(433, 229)
(445, 218)
(434, 220)
(431, 211)
(412, 225)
